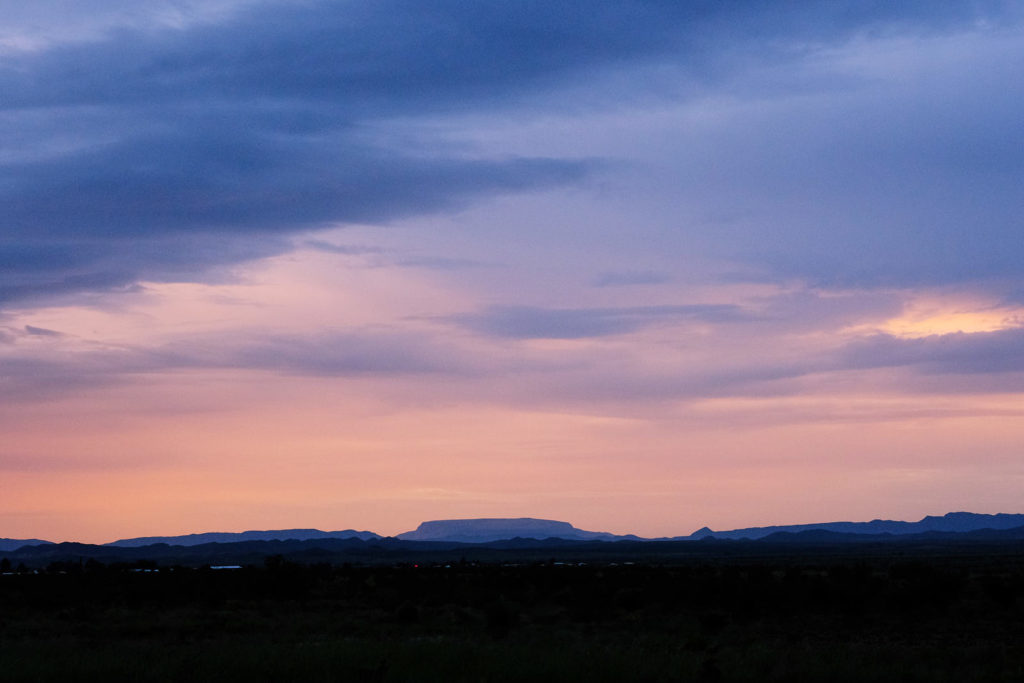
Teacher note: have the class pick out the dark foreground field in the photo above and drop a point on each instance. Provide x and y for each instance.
(810, 616)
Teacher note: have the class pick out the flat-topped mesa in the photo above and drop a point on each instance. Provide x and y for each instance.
(499, 529)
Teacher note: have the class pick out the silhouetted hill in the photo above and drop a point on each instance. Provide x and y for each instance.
(230, 537)
(526, 532)
(239, 552)
(8, 544)
(950, 522)
(826, 537)
(502, 529)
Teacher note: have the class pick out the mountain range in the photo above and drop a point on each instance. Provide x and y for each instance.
(232, 537)
(491, 530)
(956, 522)
(9, 544)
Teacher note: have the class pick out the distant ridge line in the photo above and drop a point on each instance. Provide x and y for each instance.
(957, 522)
(241, 536)
(486, 530)
(9, 544)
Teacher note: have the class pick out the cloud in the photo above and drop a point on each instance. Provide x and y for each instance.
(803, 310)
(81, 365)
(527, 322)
(904, 177)
(43, 24)
(959, 353)
(145, 147)
(57, 463)
(737, 361)
(137, 140)
(53, 289)
(327, 354)
(440, 263)
(41, 332)
(788, 312)
(344, 249)
(225, 182)
(625, 278)
(26, 377)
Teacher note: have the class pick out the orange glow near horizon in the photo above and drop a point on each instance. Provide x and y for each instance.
(525, 427)
(340, 461)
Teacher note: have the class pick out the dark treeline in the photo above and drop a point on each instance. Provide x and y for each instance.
(386, 551)
(805, 616)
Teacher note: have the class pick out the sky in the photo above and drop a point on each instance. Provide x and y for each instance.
(639, 265)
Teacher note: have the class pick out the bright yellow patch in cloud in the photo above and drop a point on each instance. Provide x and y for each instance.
(924, 318)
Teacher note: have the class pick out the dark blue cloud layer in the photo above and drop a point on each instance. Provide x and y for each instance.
(528, 322)
(1000, 351)
(158, 154)
(627, 278)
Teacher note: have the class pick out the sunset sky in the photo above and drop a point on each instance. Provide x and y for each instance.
(640, 266)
